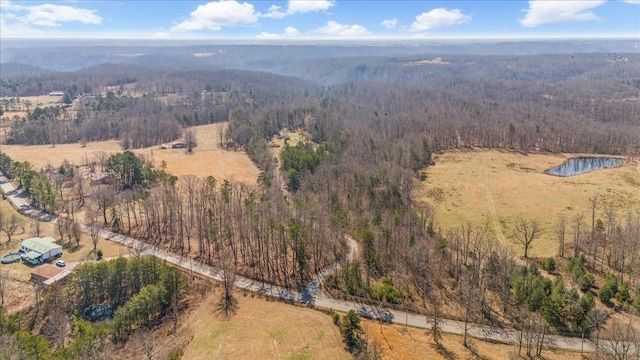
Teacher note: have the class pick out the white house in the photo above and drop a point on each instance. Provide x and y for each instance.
(38, 250)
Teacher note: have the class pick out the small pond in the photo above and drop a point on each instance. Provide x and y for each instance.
(579, 165)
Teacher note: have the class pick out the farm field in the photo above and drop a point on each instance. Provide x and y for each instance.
(262, 330)
(207, 159)
(495, 188)
(40, 100)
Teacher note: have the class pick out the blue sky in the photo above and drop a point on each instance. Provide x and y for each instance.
(322, 19)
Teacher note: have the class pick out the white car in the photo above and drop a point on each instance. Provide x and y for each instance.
(61, 263)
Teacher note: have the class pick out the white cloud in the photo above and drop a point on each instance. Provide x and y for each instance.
(217, 14)
(298, 7)
(439, 18)
(390, 24)
(160, 35)
(29, 21)
(290, 31)
(54, 15)
(342, 30)
(634, 2)
(304, 6)
(267, 36)
(552, 12)
(275, 12)
(47, 15)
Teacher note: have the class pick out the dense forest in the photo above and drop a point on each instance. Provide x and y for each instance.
(373, 125)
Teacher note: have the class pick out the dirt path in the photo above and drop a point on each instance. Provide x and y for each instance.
(491, 204)
(309, 295)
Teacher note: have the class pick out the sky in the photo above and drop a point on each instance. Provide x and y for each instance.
(320, 19)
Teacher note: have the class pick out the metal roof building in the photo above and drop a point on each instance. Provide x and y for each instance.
(37, 250)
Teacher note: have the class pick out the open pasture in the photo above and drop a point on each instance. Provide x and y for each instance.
(37, 101)
(207, 158)
(494, 188)
(262, 330)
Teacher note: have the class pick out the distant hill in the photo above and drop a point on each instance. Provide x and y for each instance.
(12, 69)
(70, 55)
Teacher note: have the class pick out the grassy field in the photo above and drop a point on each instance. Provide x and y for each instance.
(495, 188)
(396, 342)
(40, 100)
(207, 159)
(263, 330)
(271, 330)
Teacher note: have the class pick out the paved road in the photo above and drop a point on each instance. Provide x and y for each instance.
(310, 295)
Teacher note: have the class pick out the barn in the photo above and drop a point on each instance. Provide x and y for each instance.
(38, 250)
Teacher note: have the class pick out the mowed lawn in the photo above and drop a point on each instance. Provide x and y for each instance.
(262, 330)
(207, 158)
(494, 188)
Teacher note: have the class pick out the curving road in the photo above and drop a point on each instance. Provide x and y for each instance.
(310, 295)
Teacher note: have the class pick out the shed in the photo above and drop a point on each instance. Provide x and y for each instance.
(56, 93)
(45, 272)
(178, 145)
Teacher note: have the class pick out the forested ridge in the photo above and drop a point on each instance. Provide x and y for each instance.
(373, 125)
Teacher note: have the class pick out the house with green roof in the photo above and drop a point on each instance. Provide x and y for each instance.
(38, 250)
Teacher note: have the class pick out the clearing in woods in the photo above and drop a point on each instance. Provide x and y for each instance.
(207, 157)
(494, 188)
(262, 330)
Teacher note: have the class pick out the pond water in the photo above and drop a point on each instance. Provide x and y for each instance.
(579, 165)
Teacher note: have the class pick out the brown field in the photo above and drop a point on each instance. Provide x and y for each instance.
(207, 159)
(396, 342)
(40, 100)
(263, 330)
(494, 188)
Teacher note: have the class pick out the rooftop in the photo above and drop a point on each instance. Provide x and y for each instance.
(47, 271)
(41, 245)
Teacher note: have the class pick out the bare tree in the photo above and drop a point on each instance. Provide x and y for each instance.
(3, 283)
(525, 233)
(94, 230)
(622, 341)
(145, 343)
(36, 225)
(227, 305)
(190, 139)
(596, 319)
(101, 157)
(104, 197)
(561, 230)
(75, 231)
(10, 224)
(577, 228)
